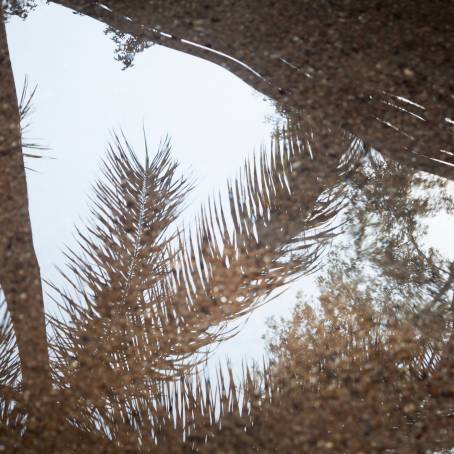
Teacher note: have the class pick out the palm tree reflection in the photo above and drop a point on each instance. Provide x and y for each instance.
(368, 363)
(143, 302)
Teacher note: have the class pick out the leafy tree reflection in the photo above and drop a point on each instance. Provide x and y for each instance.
(370, 361)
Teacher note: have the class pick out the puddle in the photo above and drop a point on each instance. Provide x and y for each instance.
(230, 236)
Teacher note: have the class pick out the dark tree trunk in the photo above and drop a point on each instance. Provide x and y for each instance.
(20, 277)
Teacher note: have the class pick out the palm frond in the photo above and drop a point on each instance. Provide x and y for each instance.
(189, 413)
(114, 317)
(11, 418)
(25, 111)
(9, 360)
(140, 306)
(25, 102)
(282, 210)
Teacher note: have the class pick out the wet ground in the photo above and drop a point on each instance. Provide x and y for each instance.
(226, 226)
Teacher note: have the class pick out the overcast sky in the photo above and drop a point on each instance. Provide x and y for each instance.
(215, 122)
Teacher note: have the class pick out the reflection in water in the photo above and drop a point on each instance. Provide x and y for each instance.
(142, 304)
(370, 363)
(365, 366)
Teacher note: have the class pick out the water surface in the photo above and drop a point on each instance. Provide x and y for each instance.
(226, 228)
